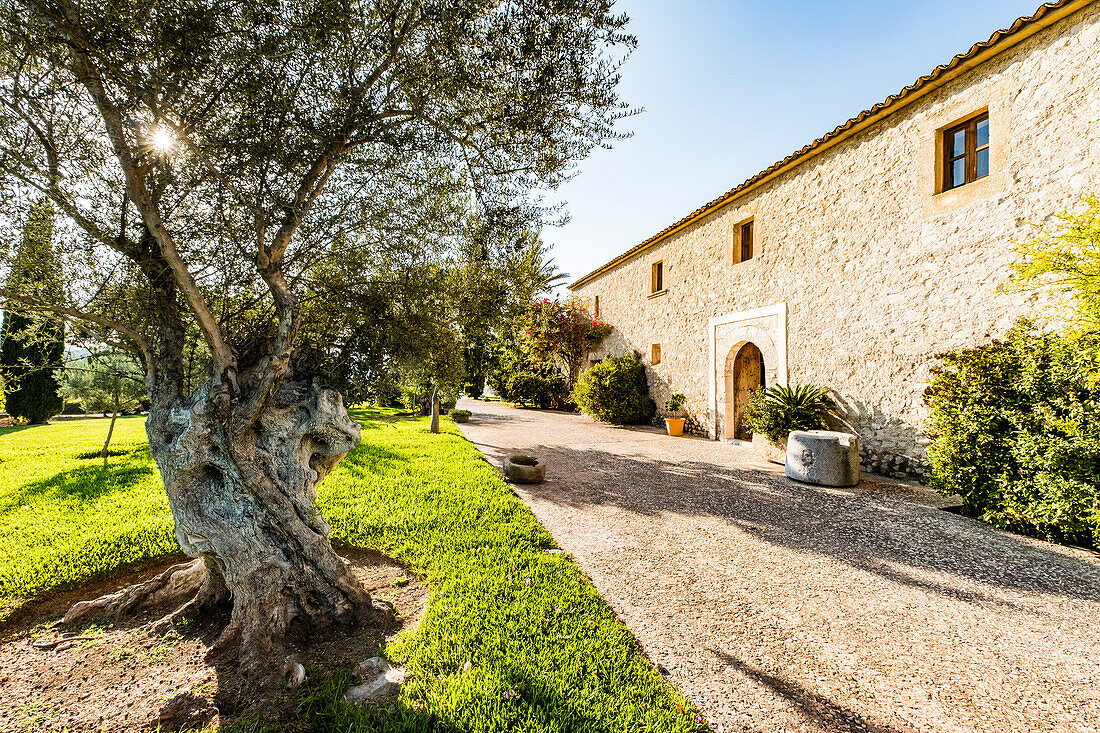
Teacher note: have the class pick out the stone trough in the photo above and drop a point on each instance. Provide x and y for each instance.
(823, 457)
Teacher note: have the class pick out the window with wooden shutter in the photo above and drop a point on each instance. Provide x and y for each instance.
(744, 246)
(657, 277)
(655, 354)
(746, 241)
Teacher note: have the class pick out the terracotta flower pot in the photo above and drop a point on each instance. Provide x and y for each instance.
(769, 450)
(674, 425)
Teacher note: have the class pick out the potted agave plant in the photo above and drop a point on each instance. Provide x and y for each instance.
(674, 422)
(776, 411)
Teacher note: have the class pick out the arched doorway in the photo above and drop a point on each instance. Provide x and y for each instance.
(766, 329)
(744, 373)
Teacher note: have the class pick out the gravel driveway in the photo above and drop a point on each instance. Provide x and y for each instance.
(777, 606)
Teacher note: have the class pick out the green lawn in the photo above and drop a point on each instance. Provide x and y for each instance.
(545, 651)
(64, 518)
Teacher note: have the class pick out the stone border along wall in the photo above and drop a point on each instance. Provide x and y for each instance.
(878, 272)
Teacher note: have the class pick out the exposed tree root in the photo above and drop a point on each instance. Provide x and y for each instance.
(52, 644)
(244, 502)
(265, 614)
(191, 609)
(195, 587)
(178, 582)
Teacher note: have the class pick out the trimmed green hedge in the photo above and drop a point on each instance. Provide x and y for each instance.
(543, 388)
(616, 390)
(1016, 433)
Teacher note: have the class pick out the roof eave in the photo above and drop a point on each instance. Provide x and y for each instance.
(1001, 40)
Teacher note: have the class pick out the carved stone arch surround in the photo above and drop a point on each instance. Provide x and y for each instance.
(765, 327)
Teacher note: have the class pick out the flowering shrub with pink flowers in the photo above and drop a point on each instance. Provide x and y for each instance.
(561, 331)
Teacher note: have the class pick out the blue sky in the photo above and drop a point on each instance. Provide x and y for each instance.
(731, 87)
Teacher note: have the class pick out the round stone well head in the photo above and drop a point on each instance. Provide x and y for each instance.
(823, 457)
(523, 469)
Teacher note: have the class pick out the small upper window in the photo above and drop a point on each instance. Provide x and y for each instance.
(655, 354)
(966, 152)
(596, 307)
(743, 245)
(657, 277)
(746, 241)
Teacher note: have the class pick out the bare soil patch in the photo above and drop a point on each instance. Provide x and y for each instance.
(125, 677)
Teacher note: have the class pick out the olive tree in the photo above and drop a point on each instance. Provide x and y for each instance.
(1066, 259)
(203, 155)
(106, 382)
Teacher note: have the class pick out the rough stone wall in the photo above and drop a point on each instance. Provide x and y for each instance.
(878, 271)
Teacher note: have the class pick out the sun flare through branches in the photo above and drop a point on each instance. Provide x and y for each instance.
(161, 140)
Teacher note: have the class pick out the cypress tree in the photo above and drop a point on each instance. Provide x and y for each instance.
(31, 347)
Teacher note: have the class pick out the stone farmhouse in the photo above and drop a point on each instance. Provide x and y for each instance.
(851, 263)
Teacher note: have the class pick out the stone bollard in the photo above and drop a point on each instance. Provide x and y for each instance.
(823, 457)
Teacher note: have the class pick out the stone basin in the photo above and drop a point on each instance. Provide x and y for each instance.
(823, 457)
(523, 469)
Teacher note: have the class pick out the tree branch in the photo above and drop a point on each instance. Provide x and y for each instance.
(224, 358)
(29, 302)
(55, 194)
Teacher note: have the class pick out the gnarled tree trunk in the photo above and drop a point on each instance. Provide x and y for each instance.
(241, 458)
(245, 504)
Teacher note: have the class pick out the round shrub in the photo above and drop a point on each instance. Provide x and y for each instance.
(615, 390)
(539, 388)
(461, 415)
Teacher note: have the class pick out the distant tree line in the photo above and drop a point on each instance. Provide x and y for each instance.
(32, 344)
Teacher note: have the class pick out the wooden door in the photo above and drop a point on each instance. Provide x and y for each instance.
(748, 374)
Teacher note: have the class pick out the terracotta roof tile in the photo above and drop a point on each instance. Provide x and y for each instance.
(1023, 27)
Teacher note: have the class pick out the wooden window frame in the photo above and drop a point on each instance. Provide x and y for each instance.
(657, 277)
(969, 154)
(596, 307)
(738, 250)
(655, 354)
